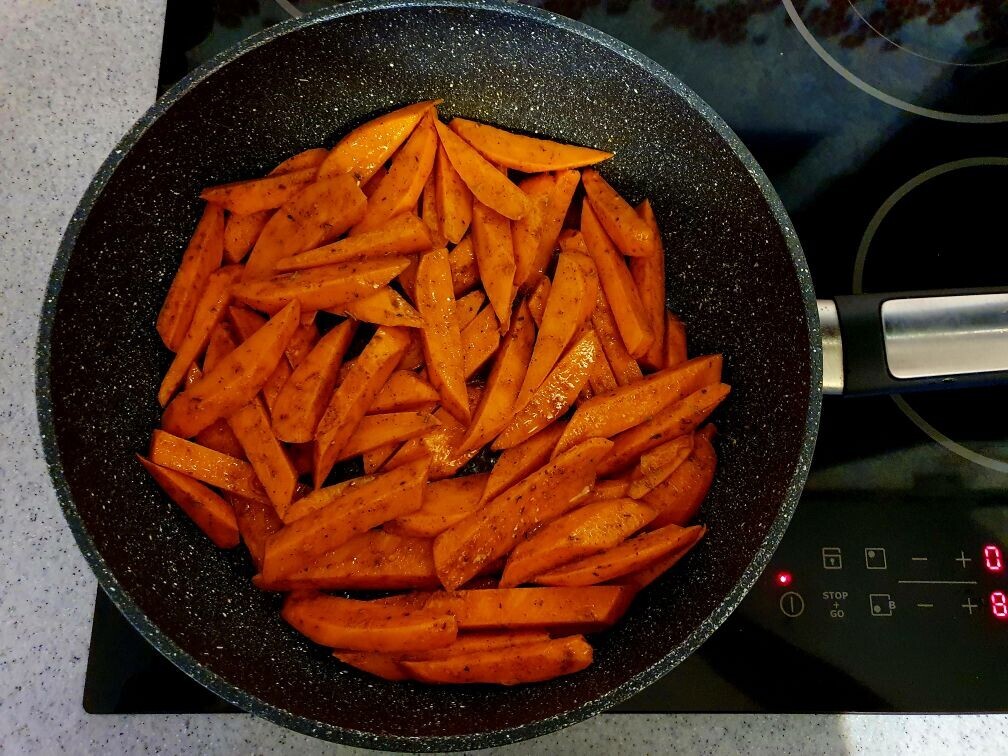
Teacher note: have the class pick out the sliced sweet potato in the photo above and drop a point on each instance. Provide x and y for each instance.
(556, 394)
(207, 510)
(241, 233)
(326, 519)
(495, 257)
(465, 271)
(676, 420)
(657, 464)
(525, 153)
(205, 465)
(595, 527)
(320, 212)
(257, 521)
(675, 341)
(235, 380)
(210, 309)
(574, 286)
(404, 390)
(256, 195)
(601, 377)
(429, 211)
(627, 406)
(372, 561)
(496, 405)
(304, 338)
(618, 285)
(369, 186)
(246, 322)
(624, 366)
(480, 339)
(402, 234)
(329, 287)
(610, 489)
(487, 183)
(538, 298)
(276, 473)
(367, 148)
(640, 579)
(441, 337)
(561, 193)
(632, 555)
(441, 445)
(313, 157)
(526, 232)
(467, 307)
(493, 530)
(400, 190)
(522, 460)
(355, 394)
(413, 357)
(202, 257)
(378, 430)
(453, 198)
(679, 496)
(385, 306)
(513, 665)
(219, 437)
(648, 273)
(374, 459)
(445, 502)
(364, 626)
(631, 233)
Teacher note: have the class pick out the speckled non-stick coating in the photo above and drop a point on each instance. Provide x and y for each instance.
(736, 274)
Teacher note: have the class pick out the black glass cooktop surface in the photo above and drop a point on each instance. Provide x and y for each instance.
(883, 125)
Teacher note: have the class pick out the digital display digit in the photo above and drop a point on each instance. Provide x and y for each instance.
(993, 560)
(999, 605)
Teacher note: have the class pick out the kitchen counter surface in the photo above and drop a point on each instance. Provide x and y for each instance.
(73, 77)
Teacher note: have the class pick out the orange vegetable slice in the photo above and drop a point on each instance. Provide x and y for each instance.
(648, 273)
(522, 460)
(679, 496)
(385, 306)
(402, 234)
(203, 464)
(257, 521)
(675, 341)
(631, 233)
(404, 390)
(445, 502)
(241, 233)
(624, 366)
(525, 153)
(465, 271)
(495, 258)
(453, 198)
(480, 339)
(256, 195)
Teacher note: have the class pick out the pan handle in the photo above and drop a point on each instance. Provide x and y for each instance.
(914, 341)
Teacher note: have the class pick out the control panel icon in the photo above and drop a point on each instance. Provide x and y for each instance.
(792, 604)
(881, 604)
(832, 559)
(875, 558)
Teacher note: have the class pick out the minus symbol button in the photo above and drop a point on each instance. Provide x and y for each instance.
(918, 559)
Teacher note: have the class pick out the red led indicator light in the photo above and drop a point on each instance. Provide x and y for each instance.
(993, 560)
(999, 605)
(783, 579)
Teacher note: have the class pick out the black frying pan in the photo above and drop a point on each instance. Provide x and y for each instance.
(735, 271)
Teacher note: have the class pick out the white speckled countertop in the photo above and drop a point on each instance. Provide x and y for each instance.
(73, 77)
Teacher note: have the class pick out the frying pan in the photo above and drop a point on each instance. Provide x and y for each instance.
(735, 271)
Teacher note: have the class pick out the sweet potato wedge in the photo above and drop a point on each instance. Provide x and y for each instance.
(632, 555)
(496, 405)
(487, 183)
(618, 285)
(679, 496)
(246, 322)
(525, 153)
(374, 459)
(465, 271)
(235, 380)
(364, 626)
(256, 195)
(445, 502)
(526, 232)
(495, 258)
(493, 530)
(480, 339)
(205, 465)
(413, 357)
(377, 430)
(453, 198)
(400, 189)
(257, 521)
(313, 157)
(219, 437)
(355, 394)
(402, 234)
(429, 210)
(467, 307)
(385, 306)
(202, 257)
(368, 147)
(555, 396)
(648, 273)
(675, 341)
(404, 390)
(561, 193)
(441, 445)
(640, 579)
(522, 460)
(513, 665)
(369, 186)
(538, 298)
(615, 488)
(675, 420)
(627, 406)
(659, 463)
(441, 335)
(631, 234)
(624, 366)
(273, 468)
(206, 509)
(320, 212)
(305, 337)
(241, 233)
(593, 528)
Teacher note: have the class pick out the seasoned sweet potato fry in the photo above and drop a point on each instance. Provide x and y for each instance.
(465, 272)
(441, 445)
(493, 530)
(256, 195)
(235, 380)
(385, 306)
(320, 212)
(453, 198)
(494, 250)
(441, 336)
(556, 394)
(616, 411)
(400, 189)
(648, 273)
(207, 510)
(363, 626)
(371, 184)
(561, 193)
(241, 233)
(496, 405)
(445, 502)
(374, 460)
(276, 473)
(676, 420)
(526, 233)
(246, 322)
(484, 179)
(538, 298)
(610, 489)
(624, 366)
(355, 394)
(380, 429)
(366, 149)
(304, 338)
(513, 665)
(413, 357)
(675, 341)
(658, 464)
(618, 285)
(480, 339)
(524, 153)
(588, 530)
(205, 465)
(640, 579)
(404, 390)
(202, 257)
(313, 157)
(219, 437)
(632, 555)
(402, 234)
(467, 307)
(257, 521)
(429, 211)
(521, 460)
(679, 496)
(631, 234)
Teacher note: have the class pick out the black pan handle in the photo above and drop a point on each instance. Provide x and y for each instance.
(914, 341)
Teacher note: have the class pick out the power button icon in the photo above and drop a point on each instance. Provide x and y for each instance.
(792, 604)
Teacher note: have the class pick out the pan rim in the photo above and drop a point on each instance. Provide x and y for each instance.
(255, 705)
